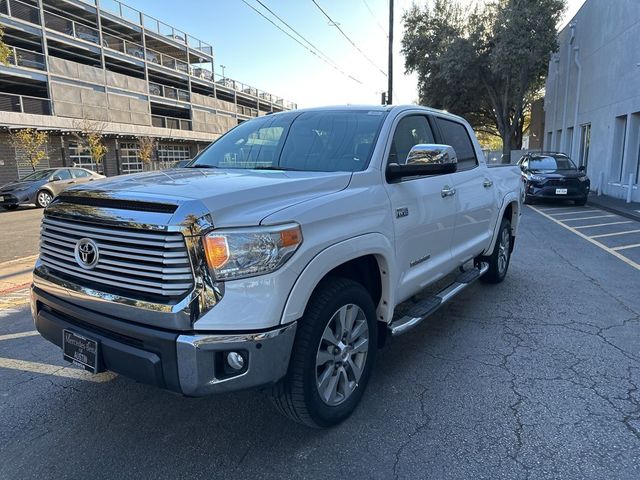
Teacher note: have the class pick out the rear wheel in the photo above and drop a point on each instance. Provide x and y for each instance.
(332, 357)
(500, 257)
(43, 198)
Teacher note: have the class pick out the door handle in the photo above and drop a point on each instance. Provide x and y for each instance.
(447, 191)
(487, 183)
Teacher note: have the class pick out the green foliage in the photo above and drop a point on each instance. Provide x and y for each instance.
(5, 51)
(486, 64)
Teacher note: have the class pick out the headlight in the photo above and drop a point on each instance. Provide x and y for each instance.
(537, 178)
(247, 252)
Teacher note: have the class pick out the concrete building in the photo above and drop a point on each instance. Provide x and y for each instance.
(592, 102)
(102, 63)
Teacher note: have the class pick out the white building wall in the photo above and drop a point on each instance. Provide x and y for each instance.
(604, 36)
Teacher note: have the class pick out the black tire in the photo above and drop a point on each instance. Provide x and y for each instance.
(582, 202)
(497, 272)
(528, 200)
(10, 207)
(40, 202)
(297, 395)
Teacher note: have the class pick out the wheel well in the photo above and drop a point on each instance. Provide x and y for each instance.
(364, 270)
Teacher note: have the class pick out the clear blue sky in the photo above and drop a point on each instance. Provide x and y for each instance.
(256, 53)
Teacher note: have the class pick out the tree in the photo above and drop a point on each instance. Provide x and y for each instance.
(5, 51)
(486, 65)
(90, 136)
(146, 150)
(32, 144)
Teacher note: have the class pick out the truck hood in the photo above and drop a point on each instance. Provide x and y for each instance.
(234, 197)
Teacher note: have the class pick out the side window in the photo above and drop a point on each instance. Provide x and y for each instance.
(79, 173)
(411, 130)
(64, 174)
(456, 135)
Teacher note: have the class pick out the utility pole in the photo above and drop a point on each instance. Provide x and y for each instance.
(390, 72)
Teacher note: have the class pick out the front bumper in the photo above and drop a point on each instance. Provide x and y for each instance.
(191, 363)
(9, 199)
(543, 191)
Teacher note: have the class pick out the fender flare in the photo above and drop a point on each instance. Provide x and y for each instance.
(335, 255)
(510, 198)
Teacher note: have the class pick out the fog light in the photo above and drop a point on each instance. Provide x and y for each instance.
(235, 360)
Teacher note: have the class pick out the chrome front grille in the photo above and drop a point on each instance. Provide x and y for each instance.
(140, 262)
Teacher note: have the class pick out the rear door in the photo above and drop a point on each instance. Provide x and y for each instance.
(423, 218)
(475, 193)
(63, 179)
(80, 175)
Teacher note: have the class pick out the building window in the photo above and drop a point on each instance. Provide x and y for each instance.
(169, 155)
(619, 145)
(129, 159)
(585, 143)
(547, 145)
(558, 146)
(80, 157)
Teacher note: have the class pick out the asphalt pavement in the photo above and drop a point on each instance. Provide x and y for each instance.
(534, 378)
(19, 232)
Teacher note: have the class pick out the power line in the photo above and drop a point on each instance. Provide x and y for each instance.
(386, 34)
(313, 50)
(347, 37)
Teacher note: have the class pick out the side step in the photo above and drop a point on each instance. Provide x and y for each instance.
(427, 306)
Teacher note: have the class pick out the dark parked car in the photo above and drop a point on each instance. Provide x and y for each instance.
(42, 186)
(553, 176)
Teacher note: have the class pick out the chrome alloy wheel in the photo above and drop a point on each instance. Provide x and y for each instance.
(342, 354)
(44, 199)
(503, 251)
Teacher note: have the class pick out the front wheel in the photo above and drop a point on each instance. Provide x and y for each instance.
(10, 207)
(582, 202)
(43, 198)
(501, 256)
(332, 358)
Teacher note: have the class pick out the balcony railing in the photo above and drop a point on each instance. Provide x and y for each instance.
(170, 122)
(154, 25)
(168, 92)
(123, 46)
(26, 58)
(71, 28)
(246, 111)
(254, 92)
(10, 102)
(167, 61)
(20, 10)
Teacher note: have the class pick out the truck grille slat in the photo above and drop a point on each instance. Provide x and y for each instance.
(140, 263)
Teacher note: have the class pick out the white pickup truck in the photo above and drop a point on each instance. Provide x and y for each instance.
(276, 259)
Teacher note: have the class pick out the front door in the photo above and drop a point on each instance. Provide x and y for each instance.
(475, 193)
(423, 213)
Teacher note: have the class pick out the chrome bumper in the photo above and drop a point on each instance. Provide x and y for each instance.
(201, 360)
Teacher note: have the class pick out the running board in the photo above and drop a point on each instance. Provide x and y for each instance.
(427, 306)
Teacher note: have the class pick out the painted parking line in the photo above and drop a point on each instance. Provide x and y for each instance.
(626, 247)
(603, 235)
(55, 370)
(573, 212)
(13, 336)
(589, 239)
(600, 224)
(586, 218)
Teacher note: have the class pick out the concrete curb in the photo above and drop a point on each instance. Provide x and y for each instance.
(612, 205)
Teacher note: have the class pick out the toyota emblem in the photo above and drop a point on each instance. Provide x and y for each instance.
(86, 253)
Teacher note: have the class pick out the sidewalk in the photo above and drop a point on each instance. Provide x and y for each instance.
(616, 205)
(15, 278)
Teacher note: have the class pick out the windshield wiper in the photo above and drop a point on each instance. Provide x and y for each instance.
(202, 165)
(276, 167)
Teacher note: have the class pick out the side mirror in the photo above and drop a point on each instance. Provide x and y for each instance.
(582, 168)
(425, 159)
(56, 178)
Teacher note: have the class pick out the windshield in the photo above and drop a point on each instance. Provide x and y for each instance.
(322, 141)
(39, 175)
(551, 163)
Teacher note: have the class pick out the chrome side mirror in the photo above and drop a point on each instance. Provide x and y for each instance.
(424, 159)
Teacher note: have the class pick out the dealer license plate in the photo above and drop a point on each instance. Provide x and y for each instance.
(561, 191)
(1, 198)
(80, 351)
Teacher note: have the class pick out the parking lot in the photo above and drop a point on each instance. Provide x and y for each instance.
(534, 378)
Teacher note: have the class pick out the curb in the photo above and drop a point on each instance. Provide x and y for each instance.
(16, 288)
(618, 211)
(30, 258)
